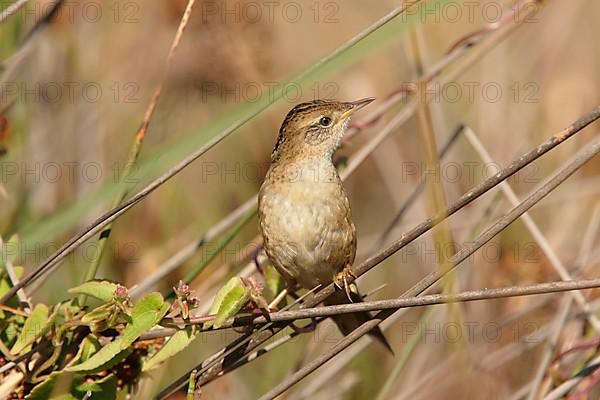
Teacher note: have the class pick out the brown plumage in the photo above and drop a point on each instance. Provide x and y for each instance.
(304, 213)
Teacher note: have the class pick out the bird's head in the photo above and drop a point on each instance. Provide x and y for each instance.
(315, 128)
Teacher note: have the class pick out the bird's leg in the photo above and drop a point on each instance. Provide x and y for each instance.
(341, 280)
(279, 298)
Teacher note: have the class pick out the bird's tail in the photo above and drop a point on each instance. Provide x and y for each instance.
(349, 322)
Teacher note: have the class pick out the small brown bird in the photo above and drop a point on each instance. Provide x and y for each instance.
(304, 213)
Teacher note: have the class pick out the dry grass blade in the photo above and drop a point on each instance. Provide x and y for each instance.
(138, 140)
(419, 189)
(11, 9)
(11, 65)
(584, 255)
(188, 252)
(551, 345)
(533, 228)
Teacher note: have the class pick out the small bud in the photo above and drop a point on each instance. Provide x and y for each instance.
(194, 301)
(121, 293)
(182, 290)
(183, 287)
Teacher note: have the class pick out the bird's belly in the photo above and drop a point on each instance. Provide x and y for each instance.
(308, 237)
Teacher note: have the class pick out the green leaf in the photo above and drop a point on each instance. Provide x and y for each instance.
(10, 250)
(147, 313)
(66, 386)
(88, 347)
(179, 341)
(10, 330)
(98, 314)
(4, 288)
(5, 284)
(102, 290)
(102, 389)
(19, 270)
(49, 389)
(229, 301)
(32, 329)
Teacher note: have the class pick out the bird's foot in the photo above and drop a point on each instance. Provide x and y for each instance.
(341, 280)
(278, 299)
(290, 289)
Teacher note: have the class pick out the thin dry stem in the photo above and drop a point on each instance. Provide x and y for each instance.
(12, 9)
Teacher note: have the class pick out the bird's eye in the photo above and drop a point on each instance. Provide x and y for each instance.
(325, 121)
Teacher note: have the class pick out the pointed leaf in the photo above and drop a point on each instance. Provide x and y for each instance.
(98, 314)
(51, 387)
(147, 313)
(229, 301)
(102, 290)
(102, 389)
(32, 329)
(88, 347)
(179, 341)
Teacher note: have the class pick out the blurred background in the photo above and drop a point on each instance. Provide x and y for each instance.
(74, 94)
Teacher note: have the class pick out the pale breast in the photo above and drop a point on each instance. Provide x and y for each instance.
(307, 229)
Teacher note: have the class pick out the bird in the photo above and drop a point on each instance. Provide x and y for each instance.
(304, 213)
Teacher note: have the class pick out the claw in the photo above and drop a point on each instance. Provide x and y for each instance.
(341, 281)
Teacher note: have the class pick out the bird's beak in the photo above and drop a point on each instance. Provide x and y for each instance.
(355, 106)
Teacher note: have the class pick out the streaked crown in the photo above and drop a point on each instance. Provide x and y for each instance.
(316, 127)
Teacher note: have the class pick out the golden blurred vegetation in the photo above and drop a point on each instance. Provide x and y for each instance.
(72, 105)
